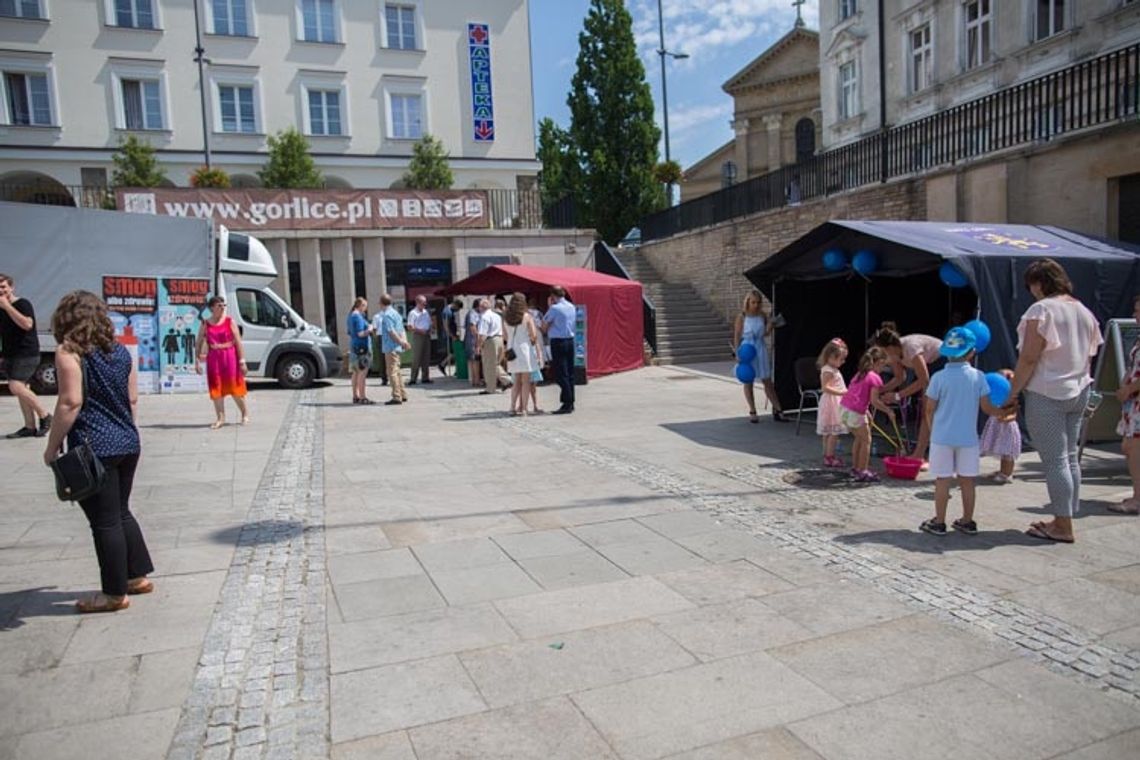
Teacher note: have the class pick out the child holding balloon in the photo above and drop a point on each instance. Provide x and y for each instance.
(1001, 437)
(832, 388)
(749, 334)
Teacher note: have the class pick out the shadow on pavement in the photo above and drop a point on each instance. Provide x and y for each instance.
(42, 601)
(769, 439)
(260, 532)
(922, 543)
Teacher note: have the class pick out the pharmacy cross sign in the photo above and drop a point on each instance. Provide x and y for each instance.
(482, 103)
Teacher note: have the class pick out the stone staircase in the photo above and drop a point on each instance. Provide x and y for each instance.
(689, 330)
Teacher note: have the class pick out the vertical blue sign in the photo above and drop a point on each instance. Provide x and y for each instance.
(483, 107)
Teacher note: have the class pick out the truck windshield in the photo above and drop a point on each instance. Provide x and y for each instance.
(258, 308)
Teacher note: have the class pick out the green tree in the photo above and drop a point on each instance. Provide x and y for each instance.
(561, 174)
(136, 165)
(668, 172)
(612, 124)
(289, 164)
(428, 169)
(210, 178)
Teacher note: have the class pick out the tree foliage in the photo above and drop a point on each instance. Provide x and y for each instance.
(428, 169)
(289, 164)
(612, 125)
(136, 165)
(668, 172)
(210, 177)
(561, 174)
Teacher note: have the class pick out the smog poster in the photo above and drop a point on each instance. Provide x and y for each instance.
(181, 303)
(133, 306)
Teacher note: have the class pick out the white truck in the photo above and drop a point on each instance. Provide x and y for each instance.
(52, 250)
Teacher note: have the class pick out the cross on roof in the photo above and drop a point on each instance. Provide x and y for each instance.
(798, 5)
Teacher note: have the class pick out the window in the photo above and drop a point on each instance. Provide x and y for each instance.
(921, 58)
(407, 116)
(230, 18)
(136, 14)
(28, 99)
(848, 91)
(979, 30)
(142, 103)
(258, 308)
(235, 104)
(324, 112)
(846, 9)
(318, 20)
(400, 21)
(1050, 18)
(21, 8)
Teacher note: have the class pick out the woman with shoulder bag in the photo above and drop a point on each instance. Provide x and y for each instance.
(98, 393)
(522, 352)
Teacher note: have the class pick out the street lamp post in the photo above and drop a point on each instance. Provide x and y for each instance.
(662, 52)
(200, 59)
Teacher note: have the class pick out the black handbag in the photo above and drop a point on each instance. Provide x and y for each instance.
(78, 472)
(511, 355)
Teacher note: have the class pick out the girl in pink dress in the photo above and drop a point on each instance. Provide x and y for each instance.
(861, 396)
(1001, 437)
(832, 388)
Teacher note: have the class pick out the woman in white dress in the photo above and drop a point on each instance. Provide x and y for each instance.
(522, 351)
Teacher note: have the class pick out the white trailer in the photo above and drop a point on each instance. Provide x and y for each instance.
(52, 250)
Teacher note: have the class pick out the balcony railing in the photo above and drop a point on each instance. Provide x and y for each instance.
(509, 209)
(1096, 92)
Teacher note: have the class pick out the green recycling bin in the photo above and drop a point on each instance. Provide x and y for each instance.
(459, 352)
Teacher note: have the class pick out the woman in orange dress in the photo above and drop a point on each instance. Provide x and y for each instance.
(219, 346)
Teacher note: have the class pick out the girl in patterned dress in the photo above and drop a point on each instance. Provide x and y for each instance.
(1129, 426)
(832, 388)
(1001, 437)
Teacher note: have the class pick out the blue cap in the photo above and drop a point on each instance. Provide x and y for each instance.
(957, 343)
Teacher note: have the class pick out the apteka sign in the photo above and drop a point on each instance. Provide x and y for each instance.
(482, 103)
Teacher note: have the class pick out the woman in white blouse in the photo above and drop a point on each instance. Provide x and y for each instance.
(1057, 338)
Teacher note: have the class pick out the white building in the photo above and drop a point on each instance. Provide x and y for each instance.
(362, 79)
(939, 53)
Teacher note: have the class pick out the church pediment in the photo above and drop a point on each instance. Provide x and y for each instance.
(796, 54)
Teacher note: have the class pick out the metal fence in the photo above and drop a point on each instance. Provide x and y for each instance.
(509, 209)
(1096, 92)
(607, 262)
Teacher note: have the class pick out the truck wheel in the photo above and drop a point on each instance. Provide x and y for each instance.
(44, 381)
(295, 371)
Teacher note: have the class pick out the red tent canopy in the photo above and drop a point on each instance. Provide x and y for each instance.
(614, 327)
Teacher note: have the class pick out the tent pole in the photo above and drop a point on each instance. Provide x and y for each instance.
(866, 308)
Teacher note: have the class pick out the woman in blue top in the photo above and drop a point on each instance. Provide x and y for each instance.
(753, 326)
(102, 415)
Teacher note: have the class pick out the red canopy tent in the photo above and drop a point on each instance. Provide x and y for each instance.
(614, 327)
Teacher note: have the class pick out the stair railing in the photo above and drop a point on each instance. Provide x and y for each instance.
(607, 262)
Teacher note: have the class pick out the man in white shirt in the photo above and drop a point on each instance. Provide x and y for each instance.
(419, 324)
(490, 344)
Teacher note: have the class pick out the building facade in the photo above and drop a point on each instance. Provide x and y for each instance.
(941, 53)
(361, 79)
(775, 119)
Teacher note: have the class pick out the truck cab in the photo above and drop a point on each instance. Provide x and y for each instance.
(278, 342)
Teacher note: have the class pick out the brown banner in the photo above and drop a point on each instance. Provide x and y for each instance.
(315, 209)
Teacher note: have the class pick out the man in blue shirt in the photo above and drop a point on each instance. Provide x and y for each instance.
(360, 348)
(952, 401)
(558, 324)
(393, 342)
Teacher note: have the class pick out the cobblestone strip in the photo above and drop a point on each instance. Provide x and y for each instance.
(1059, 645)
(261, 689)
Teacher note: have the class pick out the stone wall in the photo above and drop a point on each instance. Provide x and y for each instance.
(713, 260)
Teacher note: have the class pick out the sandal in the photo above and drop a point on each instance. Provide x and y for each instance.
(1126, 507)
(140, 586)
(101, 603)
(969, 527)
(1039, 530)
(933, 527)
(216, 424)
(753, 417)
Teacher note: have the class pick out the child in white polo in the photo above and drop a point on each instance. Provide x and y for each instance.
(952, 401)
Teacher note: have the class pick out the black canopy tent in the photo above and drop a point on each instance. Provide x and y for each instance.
(905, 288)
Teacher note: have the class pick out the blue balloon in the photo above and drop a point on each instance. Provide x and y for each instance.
(834, 260)
(865, 262)
(746, 373)
(981, 333)
(952, 276)
(999, 388)
(746, 353)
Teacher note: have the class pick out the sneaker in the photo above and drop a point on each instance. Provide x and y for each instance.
(24, 432)
(45, 426)
(393, 402)
(1002, 479)
(933, 527)
(970, 527)
(866, 476)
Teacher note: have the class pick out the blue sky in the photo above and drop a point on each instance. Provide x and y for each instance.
(721, 36)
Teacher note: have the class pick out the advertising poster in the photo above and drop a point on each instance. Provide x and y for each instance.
(580, 336)
(133, 306)
(181, 303)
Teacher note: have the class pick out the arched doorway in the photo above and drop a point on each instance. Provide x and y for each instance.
(34, 187)
(805, 139)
